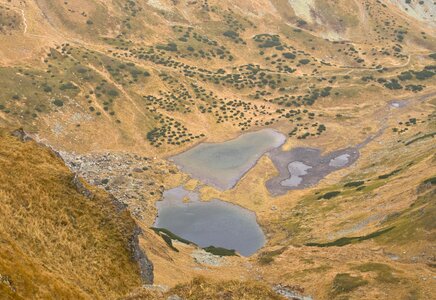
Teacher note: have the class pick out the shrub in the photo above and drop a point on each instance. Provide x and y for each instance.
(424, 74)
(405, 76)
(326, 91)
(47, 89)
(82, 70)
(169, 47)
(231, 34)
(113, 93)
(289, 55)
(393, 85)
(67, 86)
(301, 22)
(414, 87)
(58, 102)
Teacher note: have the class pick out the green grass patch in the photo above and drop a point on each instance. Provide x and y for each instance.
(310, 271)
(414, 224)
(384, 272)
(345, 283)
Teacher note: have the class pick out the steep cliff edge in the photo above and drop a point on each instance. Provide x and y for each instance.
(59, 237)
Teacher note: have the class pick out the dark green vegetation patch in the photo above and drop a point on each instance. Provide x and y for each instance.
(354, 183)
(349, 240)
(220, 251)
(428, 135)
(168, 236)
(58, 102)
(330, 195)
(385, 176)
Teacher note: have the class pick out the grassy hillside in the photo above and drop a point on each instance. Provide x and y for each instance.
(55, 242)
(120, 86)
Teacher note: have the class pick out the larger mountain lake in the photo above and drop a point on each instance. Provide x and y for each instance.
(213, 223)
(222, 165)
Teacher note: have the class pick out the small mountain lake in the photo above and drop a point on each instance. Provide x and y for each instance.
(221, 165)
(213, 223)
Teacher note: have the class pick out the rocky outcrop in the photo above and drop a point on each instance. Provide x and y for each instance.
(293, 293)
(134, 180)
(81, 188)
(22, 135)
(145, 265)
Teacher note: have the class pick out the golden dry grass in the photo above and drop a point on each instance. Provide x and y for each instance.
(54, 242)
(202, 288)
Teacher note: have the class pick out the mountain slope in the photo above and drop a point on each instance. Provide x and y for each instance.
(55, 241)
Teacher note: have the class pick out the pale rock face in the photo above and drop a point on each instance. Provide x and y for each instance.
(425, 12)
(205, 258)
(303, 8)
(158, 4)
(326, 17)
(255, 8)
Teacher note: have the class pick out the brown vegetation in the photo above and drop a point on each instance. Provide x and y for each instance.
(55, 242)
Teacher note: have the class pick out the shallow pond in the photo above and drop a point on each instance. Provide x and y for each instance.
(297, 170)
(300, 168)
(222, 164)
(213, 223)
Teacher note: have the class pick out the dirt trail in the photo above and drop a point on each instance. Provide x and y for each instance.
(24, 21)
